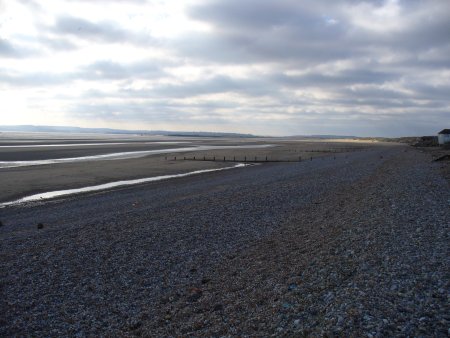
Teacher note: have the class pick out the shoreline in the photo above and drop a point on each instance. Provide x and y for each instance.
(18, 182)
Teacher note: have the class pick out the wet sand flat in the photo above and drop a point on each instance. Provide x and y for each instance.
(33, 153)
(23, 181)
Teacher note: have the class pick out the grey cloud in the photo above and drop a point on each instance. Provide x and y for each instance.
(11, 50)
(131, 111)
(353, 76)
(371, 80)
(264, 15)
(148, 69)
(217, 84)
(374, 92)
(408, 95)
(295, 35)
(314, 118)
(157, 102)
(341, 85)
(251, 13)
(263, 84)
(107, 32)
(37, 79)
(160, 103)
(254, 31)
(430, 92)
(113, 1)
(7, 49)
(57, 44)
(429, 59)
(32, 4)
(244, 48)
(428, 27)
(382, 103)
(260, 85)
(393, 126)
(270, 30)
(100, 70)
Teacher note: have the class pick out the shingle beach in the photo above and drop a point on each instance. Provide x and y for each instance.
(355, 244)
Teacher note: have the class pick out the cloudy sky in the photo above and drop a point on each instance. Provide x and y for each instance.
(271, 67)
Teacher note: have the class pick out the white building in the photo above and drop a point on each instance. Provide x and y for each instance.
(444, 136)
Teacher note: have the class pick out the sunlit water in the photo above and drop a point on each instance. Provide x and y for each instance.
(88, 144)
(63, 145)
(122, 155)
(106, 186)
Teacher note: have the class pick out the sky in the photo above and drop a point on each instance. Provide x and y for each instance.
(266, 67)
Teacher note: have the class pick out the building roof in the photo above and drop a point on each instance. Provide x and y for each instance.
(444, 131)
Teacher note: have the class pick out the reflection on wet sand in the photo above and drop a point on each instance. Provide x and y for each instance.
(87, 144)
(106, 186)
(122, 155)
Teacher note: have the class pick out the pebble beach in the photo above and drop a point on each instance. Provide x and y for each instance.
(349, 245)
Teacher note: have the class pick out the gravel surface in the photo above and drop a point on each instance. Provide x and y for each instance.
(356, 245)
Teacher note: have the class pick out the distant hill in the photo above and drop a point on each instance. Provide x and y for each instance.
(65, 129)
(332, 136)
(326, 136)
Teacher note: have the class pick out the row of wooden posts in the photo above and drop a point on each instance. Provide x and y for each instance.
(341, 150)
(234, 159)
